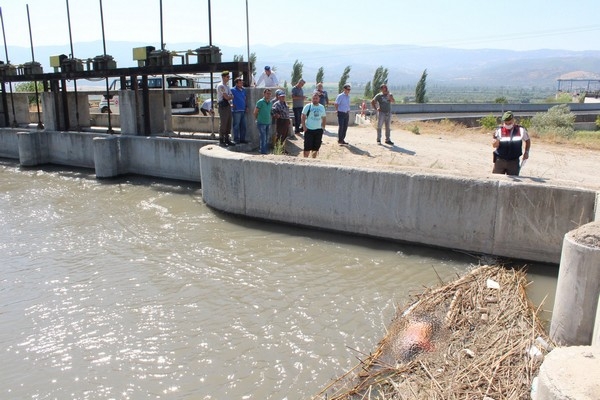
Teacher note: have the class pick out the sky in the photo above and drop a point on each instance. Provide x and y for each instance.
(466, 24)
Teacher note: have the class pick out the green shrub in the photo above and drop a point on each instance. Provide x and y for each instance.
(489, 122)
(30, 87)
(278, 148)
(559, 120)
(525, 123)
(598, 121)
(415, 130)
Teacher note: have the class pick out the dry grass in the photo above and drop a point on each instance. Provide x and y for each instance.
(477, 345)
(581, 139)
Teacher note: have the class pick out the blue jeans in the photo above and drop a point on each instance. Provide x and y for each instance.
(239, 126)
(263, 135)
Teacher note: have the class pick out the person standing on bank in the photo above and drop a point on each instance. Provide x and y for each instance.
(281, 113)
(314, 118)
(382, 103)
(342, 106)
(323, 97)
(508, 144)
(262, 115)
(239, 108)
(268, 77)
(224, 96)
(298, 103)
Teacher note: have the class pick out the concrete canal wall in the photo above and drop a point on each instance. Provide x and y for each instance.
(498, 217)
(108, 155)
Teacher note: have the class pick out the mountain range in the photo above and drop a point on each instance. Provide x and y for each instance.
(405, 64)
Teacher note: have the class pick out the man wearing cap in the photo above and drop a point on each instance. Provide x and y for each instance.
(281, 113)
(508, 144)
(298, 103)
(268, 78)
(239, 108)
(224, 97)
(342, 106)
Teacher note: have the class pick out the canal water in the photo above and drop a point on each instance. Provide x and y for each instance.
(134, 289)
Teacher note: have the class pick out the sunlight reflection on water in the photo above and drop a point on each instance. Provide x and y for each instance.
(134, 288)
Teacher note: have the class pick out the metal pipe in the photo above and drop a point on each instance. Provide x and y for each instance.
(110, 129)
(12, 101)
(212, 101)
(249, 78)
(37, 96)
(164, 84)
(78, 127)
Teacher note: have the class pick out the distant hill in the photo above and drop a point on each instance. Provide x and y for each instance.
(445, 66)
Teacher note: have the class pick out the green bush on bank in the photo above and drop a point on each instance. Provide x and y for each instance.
(488, 122)
(558, 121)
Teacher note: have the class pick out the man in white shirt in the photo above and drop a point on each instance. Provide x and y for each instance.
(268, 78)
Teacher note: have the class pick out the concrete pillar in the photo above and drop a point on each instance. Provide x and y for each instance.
(106, 156)
(78, 111)
(569, 373)
(131, 111)
(33, 148)
(130, 122)
(578, 287)
(18, 109)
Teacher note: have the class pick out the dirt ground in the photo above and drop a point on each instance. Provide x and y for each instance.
(458, 152)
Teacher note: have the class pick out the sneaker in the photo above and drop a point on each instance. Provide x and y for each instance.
(343, 143)
(389, 142)
(230, 143)
(379, 142)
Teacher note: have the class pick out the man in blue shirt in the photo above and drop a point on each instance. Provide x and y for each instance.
(342, 106)
(239, 108)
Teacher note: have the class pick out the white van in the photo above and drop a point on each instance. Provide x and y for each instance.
(181, 103)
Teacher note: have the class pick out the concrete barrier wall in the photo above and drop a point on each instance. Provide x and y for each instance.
(498, 217)
(161, 157)
(17, 110)
(9, 145)
(70, 148)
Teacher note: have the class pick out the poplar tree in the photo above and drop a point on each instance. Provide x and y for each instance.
(420, 90)
(296, 72)
(344, 79)
(320, 75)
(368, 90)
(379, 78)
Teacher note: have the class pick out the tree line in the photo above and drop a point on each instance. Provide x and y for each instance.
(380, 77)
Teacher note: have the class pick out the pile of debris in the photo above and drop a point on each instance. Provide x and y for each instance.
(478, 337)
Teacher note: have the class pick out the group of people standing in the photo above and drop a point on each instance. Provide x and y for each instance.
(232, 110)
(310, 119)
